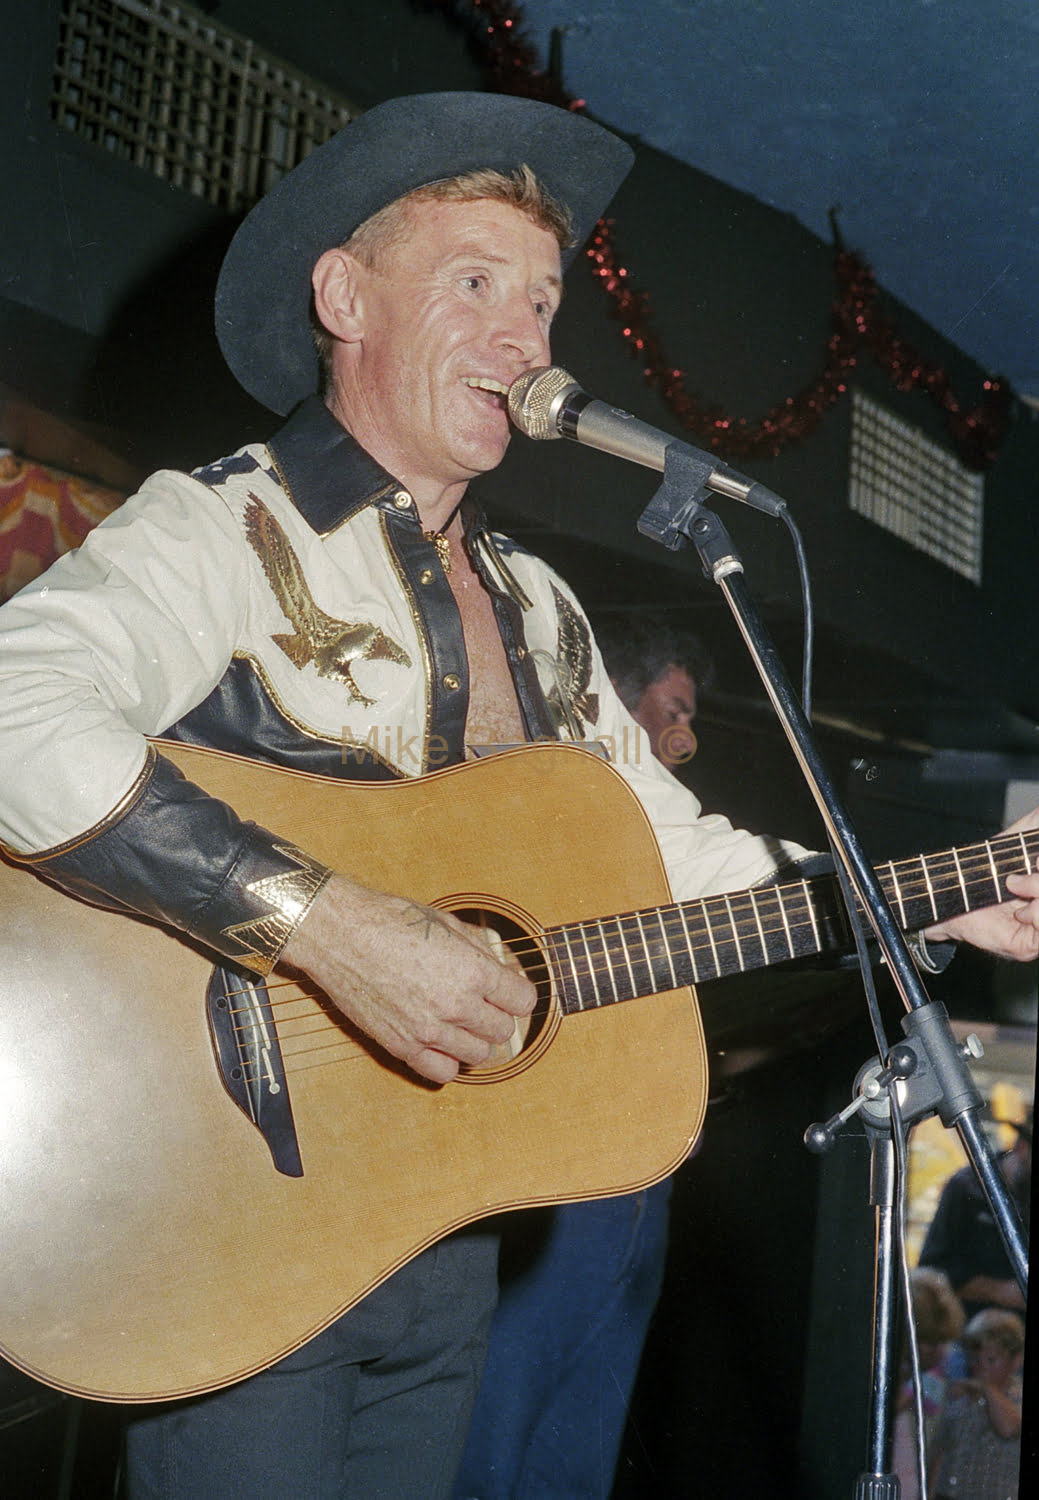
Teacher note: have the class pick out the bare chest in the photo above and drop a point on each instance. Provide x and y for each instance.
(494, 712)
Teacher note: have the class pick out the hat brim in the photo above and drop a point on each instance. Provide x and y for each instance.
(263, 292)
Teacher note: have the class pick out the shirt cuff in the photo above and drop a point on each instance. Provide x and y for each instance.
(172, 853)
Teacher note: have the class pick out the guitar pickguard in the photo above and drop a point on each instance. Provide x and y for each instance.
(249, 1061)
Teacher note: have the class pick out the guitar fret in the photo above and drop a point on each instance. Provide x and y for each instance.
(710, 938)
(645, 947)
(667, 949)
(627, 956)
(898, 894)
(677, 945)
(578, 988)
(558, 949)
(571, 956)
(652, 956)
(786, 925)
(1024, 851)
(690, 944)
(930, 887)
(608, 959)
(959, 877)
(580, 964)
(592, 973)
(811, 914)
(761, 930)
(642, 971)
(735, 936)
(661, 973)
(995, 873)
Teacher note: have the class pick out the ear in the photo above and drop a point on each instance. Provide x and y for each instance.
(337, 301)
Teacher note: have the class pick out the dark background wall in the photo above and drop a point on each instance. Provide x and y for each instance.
(929, 684)
(105, 274)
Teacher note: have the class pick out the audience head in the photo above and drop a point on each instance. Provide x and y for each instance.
(659, 669)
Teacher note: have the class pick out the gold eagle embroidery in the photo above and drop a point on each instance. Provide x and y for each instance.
(332, 645)
(574, 655)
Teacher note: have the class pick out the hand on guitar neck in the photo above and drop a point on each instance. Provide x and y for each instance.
(424, 985)
(1010, 930)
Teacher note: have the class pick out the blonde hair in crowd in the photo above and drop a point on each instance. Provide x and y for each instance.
(937, 1310)
(995, 1325)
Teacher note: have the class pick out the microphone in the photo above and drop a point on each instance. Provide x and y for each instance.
(549, 403)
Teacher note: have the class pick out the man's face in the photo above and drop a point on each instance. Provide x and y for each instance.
(666, 710)
(450, 316)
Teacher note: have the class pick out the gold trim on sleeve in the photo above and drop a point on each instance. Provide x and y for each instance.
(120, 810)
(287, 896)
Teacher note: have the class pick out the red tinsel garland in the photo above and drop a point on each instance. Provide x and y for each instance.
(510, 63)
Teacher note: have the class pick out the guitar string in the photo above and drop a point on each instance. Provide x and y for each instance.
(291, 1055)
(519, 947)
(747, 906)
(744, 909)
(740, 904)
(529, 946)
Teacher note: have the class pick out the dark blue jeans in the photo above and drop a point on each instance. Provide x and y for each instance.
(374, 1408)
(578, 1288)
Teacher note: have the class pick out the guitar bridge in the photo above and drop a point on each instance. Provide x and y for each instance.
(249, 1060)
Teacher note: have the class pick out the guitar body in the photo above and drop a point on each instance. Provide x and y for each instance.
(148, 1246)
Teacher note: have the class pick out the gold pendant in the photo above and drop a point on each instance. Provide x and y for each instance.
(443, 546)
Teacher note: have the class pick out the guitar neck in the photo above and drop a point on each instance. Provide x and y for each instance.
(599, 962)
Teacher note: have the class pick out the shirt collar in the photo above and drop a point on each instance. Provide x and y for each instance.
(328, 475)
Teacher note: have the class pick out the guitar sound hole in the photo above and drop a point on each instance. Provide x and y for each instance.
(534, 1032)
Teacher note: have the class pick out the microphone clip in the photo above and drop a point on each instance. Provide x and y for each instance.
(678, 515)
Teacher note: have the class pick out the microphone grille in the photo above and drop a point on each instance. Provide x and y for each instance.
(532, 397)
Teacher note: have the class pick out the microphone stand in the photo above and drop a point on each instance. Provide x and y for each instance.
(676, 517)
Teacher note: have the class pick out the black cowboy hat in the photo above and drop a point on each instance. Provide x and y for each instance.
(263, 294)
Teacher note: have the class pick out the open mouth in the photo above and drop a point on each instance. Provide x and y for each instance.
(493, 391)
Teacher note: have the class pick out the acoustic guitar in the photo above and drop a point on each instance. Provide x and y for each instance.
(202, 1169)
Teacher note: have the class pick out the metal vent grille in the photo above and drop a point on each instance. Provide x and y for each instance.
(162, 86)
(915, 489)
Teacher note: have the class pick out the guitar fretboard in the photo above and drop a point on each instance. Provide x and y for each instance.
(598, 962)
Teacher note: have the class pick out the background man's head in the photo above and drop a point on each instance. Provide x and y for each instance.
(659, 669)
